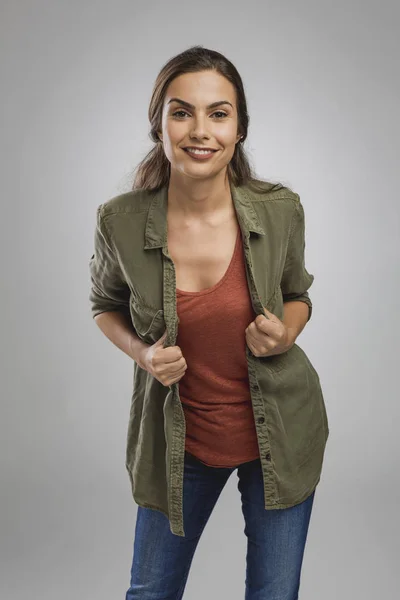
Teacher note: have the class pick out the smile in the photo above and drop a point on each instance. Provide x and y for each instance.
(199, 154)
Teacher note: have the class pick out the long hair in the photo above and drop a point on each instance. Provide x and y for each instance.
(153, 171)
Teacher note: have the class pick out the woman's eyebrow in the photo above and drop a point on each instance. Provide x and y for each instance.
(188, 105)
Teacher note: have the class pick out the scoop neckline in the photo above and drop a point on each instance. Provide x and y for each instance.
(220, 282)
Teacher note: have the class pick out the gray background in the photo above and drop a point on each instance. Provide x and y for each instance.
(323, 91)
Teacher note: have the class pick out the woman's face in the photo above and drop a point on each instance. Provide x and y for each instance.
(189, 121)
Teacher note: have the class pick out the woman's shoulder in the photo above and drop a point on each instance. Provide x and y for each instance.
(259, 190)
(132, 201)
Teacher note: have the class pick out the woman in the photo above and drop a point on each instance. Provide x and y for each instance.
(198, 275)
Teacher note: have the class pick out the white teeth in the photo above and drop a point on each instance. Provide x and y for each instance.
(195, 151)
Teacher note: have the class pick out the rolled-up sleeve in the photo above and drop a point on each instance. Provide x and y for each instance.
(109, 290)
(295, 278)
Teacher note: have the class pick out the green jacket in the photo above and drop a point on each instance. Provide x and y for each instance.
(131, 271)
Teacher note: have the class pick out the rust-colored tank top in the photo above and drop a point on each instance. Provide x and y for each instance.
(214, 391)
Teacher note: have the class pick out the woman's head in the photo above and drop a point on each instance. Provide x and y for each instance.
(198, 77)
(199, 111)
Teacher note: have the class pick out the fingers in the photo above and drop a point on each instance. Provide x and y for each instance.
(172, 354)
(258, 342)
(171, 365)
(169, 372)
(176, 367)
(176, 377)
(169, 377)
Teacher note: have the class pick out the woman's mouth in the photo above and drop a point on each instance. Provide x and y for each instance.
(199, 154)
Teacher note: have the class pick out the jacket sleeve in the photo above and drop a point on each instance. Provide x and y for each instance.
(109, 290)
(295, 278)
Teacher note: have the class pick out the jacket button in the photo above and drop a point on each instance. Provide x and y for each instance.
(268, 456)
(261, 420)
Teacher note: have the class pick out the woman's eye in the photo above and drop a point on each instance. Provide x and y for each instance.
(175, 114)
(220, 112)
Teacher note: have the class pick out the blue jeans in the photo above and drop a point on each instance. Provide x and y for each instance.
(275, 538)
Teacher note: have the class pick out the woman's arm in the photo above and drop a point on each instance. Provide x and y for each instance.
(117, 327)
(296, 280)
(110, 294)
(295, 317)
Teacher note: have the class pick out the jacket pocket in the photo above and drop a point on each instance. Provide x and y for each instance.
(148, 322)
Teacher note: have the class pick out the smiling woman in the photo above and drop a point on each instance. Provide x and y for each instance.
(197, 90)
(200, 258)
(196, 135)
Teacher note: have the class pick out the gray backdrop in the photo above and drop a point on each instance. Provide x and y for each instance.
(323, 91)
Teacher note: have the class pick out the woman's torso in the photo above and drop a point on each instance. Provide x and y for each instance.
(214, 308)
(201, 252)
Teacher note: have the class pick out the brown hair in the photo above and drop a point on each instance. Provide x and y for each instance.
(154, 170)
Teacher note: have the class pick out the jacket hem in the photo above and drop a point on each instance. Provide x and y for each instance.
(152, 506)
(300, 499)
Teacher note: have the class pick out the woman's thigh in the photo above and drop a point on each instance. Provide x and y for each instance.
(161, 559)
(276, 539)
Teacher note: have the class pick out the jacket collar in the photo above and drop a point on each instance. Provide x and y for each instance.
(156, 224)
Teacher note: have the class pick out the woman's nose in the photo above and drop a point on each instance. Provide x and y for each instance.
(199, 128)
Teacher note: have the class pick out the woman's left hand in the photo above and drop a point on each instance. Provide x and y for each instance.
(266, 337)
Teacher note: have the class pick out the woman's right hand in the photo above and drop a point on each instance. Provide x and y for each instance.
(167, 365)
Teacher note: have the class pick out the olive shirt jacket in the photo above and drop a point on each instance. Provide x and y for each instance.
(132, 272)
